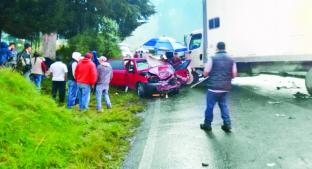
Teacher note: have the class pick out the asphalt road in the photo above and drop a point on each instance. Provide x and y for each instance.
(268, 132)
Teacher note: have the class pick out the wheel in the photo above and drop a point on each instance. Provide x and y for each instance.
(141, 90)
(190, 77)
(195, 77)
(177, 91)
(308, 81)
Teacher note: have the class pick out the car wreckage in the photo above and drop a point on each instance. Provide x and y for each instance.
(147, 80)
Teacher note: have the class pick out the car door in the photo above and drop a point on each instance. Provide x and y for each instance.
(130, 74)
(119, 73)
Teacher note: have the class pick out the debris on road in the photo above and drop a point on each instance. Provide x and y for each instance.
(280, 115)
(291, 118)
(271, 164)
(274, 102)
(289, 85)
(300, 95)
(205, 164)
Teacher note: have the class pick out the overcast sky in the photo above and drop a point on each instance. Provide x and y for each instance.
(174, 18)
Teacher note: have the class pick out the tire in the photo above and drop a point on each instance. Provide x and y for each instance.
(190, 77)
(141, 92)
(308, 81)
(175, 92)
(195, 77)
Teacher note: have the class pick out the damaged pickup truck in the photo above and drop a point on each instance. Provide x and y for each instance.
(148, 81)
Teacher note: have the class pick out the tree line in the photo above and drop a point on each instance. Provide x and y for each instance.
(68, 18)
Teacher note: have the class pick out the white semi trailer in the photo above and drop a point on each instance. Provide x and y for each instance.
(261, 35)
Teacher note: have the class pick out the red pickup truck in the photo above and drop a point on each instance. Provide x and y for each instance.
(136, 74)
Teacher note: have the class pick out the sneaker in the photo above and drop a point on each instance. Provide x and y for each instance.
(226, 128)
(205, 127)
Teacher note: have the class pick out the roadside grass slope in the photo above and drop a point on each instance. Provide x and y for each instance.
(36, 133)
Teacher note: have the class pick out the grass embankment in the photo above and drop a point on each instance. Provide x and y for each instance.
(36, 133)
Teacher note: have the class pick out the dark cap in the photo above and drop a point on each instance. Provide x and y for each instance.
(27, 45)
(221, 46)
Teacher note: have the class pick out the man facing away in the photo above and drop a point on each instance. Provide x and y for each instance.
(104, 77)
(59, 74)
(85, 75)
(25, 62)
(221, 69)
(37, 70)
(72, 84)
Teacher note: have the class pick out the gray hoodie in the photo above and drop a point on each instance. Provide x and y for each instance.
(105, 75)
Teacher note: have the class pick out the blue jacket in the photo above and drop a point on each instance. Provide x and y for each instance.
(95, 59)
(5, 53)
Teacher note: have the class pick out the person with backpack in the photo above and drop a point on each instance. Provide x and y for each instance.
(38, 70)
(24, 61)
(59, 74)
(5, 54)
(72, 84)
(85, 75)
(105, 75)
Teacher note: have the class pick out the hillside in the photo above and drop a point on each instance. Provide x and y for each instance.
(35, 133)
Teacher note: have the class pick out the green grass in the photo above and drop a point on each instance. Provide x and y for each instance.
(36, 133)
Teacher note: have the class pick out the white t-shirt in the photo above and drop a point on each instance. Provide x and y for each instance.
(58, 70)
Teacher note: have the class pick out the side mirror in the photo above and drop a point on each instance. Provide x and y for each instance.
(131, 69)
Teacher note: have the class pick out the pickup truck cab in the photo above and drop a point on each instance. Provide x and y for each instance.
(136, 74)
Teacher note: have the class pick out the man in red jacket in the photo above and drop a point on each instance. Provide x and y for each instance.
(85, 75)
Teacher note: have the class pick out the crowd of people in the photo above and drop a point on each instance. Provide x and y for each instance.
(82, 75)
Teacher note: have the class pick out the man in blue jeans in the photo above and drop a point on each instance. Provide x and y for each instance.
(72, 84)
(105, 75)
(85, 75)
(221, 69)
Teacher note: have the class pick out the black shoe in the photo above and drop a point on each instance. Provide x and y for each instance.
(205, 127)
(226, 128)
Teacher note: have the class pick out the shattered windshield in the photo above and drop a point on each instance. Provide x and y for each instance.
(142, 65)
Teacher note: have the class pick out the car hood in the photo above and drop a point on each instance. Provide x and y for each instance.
(163, 72)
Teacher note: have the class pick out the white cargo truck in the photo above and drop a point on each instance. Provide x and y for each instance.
(261, 35)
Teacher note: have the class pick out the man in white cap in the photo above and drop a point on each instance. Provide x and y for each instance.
(72, 84)
(104, 77)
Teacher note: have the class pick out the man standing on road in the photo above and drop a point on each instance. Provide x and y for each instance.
(59, 74)
(85, 75)
(221, 69)
(104, 77)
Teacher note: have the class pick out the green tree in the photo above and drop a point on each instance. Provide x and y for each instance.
(26, 18)
(105, 41)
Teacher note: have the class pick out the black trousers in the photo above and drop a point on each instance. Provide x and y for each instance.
(59, 86)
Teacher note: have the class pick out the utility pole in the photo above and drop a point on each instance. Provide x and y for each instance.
(205, 31)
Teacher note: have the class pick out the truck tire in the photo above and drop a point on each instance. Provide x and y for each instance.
(141, 92)
(308, 81)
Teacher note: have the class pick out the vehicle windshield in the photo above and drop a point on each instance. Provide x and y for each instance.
(195, 41)
(142, 64)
